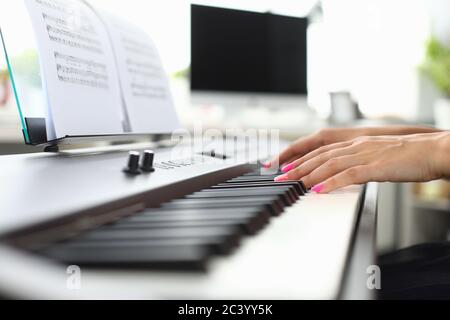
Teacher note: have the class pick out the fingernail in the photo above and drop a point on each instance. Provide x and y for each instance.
(318, 188)
(287, 168)
(282, 178)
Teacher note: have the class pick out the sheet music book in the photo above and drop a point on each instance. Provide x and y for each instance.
(102, 75)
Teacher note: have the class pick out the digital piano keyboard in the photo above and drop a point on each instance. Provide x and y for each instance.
(207, 226)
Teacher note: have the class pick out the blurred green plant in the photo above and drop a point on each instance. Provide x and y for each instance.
(182, 74)
(437, 65)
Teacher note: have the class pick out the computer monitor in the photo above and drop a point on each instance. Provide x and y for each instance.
(248, 57)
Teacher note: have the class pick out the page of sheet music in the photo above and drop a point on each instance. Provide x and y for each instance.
(145, 85)
(79, 69)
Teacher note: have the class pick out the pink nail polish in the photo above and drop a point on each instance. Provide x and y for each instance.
(287, 168)
(282, 178)
(318, 188)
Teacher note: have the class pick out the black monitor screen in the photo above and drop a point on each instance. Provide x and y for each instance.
(242, 51)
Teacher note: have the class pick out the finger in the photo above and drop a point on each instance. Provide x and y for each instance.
(333, 167)
(311, 165)
(314, 154)
(290, 161)
(276, 165)
(355, 175)
(296, 150)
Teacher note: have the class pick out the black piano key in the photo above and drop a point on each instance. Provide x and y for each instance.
(264, 173)
(220, 211)
(216, 244)
(260, 211)
(244, 181)
(251, 221)
(287, 193)
(254, 179)
(193, 215)
(291, 190)
(271, 201)
(267, 199)
(80, 243)
(249, 226)
(218, 196)
(282, 194)
(302, 184)
(273, 210)
(287, 190)
(177, 257)
(227, 236)
(294, 184)
(163, 233)
(258, 176)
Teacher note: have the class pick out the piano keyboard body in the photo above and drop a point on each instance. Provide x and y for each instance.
(199, 227)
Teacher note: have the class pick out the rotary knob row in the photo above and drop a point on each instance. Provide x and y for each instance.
(135, 166)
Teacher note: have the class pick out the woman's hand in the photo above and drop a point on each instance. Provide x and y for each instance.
(312, 142)
(326, 137)
(415, 158)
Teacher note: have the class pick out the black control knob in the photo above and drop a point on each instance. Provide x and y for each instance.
(148, 161)
(133, 163)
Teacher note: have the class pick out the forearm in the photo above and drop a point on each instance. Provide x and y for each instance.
(399, 130)
(443, 155)
(334, 135)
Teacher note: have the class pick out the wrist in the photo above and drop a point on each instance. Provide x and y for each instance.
(443, 155)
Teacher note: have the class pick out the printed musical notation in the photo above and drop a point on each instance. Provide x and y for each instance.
(148, 91)
(137, 47)
(81, 71)
(144, 69)
(58, 5)
(61, 31)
